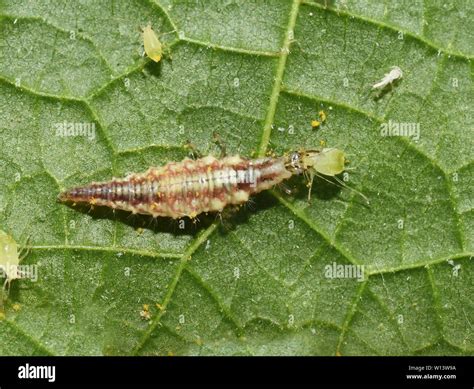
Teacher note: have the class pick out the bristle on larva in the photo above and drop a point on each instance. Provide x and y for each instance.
(185, 188)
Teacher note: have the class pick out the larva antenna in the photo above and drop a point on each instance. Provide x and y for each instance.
(193, 150)
(216, 138)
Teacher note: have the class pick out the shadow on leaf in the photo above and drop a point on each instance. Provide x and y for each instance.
(178, 227)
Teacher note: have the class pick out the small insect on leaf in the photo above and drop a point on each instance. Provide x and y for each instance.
(9, 259)
(326, 162)
(315, 123)
(329, 162)
(153, 46)
(394, 74)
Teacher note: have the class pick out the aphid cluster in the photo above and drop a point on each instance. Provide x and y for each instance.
(208, 184)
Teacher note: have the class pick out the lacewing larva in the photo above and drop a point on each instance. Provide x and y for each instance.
(394, 74)
(191, 187)
(152, 45)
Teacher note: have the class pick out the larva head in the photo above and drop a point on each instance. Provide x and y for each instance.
(329, 161)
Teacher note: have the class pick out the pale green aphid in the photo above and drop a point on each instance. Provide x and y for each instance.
(10, 257)
(329, 162)
(326, 162)
(153, 46)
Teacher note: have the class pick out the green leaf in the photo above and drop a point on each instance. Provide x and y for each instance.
(256, 72)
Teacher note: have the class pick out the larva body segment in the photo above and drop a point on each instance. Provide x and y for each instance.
(185, 188)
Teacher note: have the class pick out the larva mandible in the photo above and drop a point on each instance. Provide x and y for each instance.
(191, 187)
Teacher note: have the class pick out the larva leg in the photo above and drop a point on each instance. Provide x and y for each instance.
(220, 143)
(227, 215)
(194, 151)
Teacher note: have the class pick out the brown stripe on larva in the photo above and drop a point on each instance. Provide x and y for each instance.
(185, 188)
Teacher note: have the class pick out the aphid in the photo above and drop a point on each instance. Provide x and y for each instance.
(311, 163)
(153, 46)
(10, 258)
(394, 74)
(191, 187)
(329, 161)
(319, 163)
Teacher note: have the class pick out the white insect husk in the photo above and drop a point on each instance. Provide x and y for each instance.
(394, 74)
